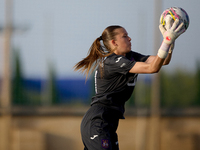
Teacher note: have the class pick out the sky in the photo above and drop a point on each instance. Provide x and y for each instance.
(60, 32)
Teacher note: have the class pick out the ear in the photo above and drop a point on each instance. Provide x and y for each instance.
(113, 42)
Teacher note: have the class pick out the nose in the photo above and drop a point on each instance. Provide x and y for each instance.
(129, 38)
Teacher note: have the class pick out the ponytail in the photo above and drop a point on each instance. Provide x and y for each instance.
(95, 56)
(96, 53)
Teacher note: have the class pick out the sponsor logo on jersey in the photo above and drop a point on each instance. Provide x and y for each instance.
(118, 59)
(105, 143)
(122, 65)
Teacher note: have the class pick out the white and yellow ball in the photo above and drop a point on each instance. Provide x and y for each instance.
(175, 13)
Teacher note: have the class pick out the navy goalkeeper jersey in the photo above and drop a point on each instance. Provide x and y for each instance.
(114, 84)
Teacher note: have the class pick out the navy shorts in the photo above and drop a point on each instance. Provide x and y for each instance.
(98, 128)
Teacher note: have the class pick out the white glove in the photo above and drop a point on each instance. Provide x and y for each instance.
(171, 32)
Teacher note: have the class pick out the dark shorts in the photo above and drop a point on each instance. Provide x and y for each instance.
(98, 128)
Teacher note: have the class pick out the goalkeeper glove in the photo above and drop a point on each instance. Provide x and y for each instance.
(171, 32)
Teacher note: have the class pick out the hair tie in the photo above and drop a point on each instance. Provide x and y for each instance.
(100, 38)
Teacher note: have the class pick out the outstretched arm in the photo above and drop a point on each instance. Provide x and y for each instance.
(144, 67)
(167, 59)
(163, 56)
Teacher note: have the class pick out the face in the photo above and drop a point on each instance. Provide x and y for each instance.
(122, 42)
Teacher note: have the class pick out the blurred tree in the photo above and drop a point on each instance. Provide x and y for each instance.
(52, 85)
(178, 89)
(198, 83)
(17, 84)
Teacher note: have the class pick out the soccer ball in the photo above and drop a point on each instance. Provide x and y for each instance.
(175, 13)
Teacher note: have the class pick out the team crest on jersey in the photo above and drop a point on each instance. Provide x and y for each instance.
(105, 143)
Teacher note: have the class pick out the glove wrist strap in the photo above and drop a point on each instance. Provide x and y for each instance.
(163, 50)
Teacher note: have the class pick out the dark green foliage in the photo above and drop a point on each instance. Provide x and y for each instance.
(52, 86)
(23, 96)
(17, 84)
(198, 84)
(178, 89)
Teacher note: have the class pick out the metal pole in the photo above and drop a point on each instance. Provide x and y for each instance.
(6, 103)
(6, 81)
(155, 98)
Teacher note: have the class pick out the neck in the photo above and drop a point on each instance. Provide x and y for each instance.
(118, 53)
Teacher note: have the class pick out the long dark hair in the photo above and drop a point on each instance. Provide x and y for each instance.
(97, 51)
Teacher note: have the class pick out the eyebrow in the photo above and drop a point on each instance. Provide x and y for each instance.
(125, 33)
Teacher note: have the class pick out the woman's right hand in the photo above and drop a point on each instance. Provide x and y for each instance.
(171, 32)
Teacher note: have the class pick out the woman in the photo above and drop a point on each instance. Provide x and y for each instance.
(115, 78)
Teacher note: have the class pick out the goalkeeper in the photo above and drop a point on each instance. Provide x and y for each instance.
(115, 78)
